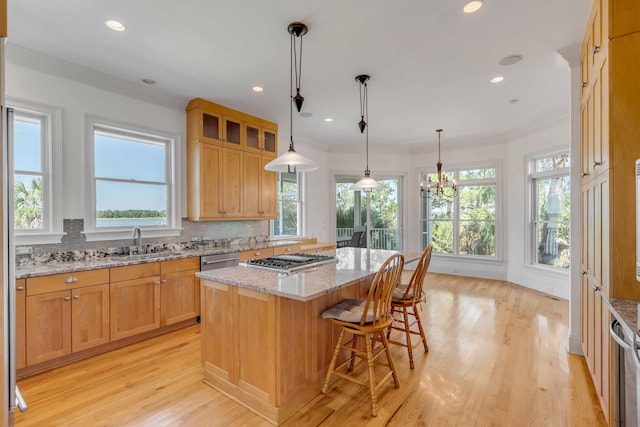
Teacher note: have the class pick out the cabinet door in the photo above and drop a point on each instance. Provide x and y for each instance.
(48, 323)
(218, 330)
(233, 132)
(251, 178)
(179, 297)
(269, 143)
(231, 183)
(210, 194)
(134, 306)
(268, 191)
(211, 126)
(89, 317)
(21, 351)
(252, 138)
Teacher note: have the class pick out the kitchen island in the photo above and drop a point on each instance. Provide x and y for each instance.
(264, 343)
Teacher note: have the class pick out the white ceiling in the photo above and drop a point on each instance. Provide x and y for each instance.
(430, 64)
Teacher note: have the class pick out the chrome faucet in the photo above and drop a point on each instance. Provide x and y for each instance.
(137, 238)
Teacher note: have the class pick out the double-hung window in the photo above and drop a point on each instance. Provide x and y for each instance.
(289, 219)
(550, 209)
(464, 225)
(132, 174)
(34, 142)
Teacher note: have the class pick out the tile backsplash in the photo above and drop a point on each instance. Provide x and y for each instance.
(225, 231)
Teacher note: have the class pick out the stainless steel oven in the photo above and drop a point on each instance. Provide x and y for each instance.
(624, 382)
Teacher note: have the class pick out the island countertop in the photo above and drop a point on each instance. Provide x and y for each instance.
(352, 265)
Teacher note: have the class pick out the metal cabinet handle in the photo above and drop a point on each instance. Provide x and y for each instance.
(617, 338)
(288, 249)
(76, 297)
(584, 272)
(67, 298)
(584, 174)
(596, 287)
(596, 164)
(157, 283)
(20, 288)
(596, 49)
(257, 253)
(71, 279)
(164, 281)
(583, 85)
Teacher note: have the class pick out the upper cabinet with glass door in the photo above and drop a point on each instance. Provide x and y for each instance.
(261, 139)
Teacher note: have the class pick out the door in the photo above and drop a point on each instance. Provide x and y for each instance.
(89, 317)
(179, 294)
(48, 321)
(134, 306)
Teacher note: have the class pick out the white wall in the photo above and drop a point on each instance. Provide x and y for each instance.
(76, 100)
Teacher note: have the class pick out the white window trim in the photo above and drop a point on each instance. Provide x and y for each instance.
(302, 181)
(530, 254)
(52, 169)
(499, 242)
(173, 172)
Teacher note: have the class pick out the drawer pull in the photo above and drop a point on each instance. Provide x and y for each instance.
(257, 253)
(71, 279)
(20, 288)
(596, 49)
(584, 84)
(76, 297)
(596, 164)
(164, 281)
(67, 298)
(596, 287)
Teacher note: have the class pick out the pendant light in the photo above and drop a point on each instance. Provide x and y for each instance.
(291, 161)
(367, 183)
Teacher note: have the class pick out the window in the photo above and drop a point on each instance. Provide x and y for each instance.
(289, 220)
(466, 225)
(132, 174)
(34, 140)
(550, 191)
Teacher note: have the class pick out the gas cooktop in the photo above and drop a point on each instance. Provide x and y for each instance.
(290, 262)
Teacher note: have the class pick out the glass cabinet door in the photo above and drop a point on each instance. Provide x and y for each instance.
(270, 145)
(233, 131)
(211, 131)
(252, 140)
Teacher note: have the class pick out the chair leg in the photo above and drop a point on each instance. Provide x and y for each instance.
(332, 365)
(392, 366)
(407, 333)
(372, 378)
(354, 344)
(416, 312)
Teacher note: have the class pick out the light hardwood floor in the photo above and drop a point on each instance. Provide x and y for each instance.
(497, 358)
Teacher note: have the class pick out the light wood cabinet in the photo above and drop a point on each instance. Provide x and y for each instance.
(259, 187)
(134, 299)
(610, 134)
(21, 327)
(66, 313)
(226, 154)
(286, 249)
(256, 254)
(179, 290)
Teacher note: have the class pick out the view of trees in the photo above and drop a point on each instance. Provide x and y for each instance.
(131, 213)
(28, 204)
(286, 224)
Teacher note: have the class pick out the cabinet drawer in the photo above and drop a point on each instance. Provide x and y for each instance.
(61, 282)
(136, 271)
(289, 249)
(175, 265)
(258, 253)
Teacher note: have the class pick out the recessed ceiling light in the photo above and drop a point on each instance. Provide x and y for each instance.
(149, 81)
(257, 88)
(473, 6)
(115, 25)
(497, 79)
(328, 119)
(511, 59)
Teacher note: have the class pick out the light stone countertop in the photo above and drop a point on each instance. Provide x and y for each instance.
(626, 311)
(353, 264)
(48, 268)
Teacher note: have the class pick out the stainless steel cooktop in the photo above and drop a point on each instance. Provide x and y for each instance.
(290, 262)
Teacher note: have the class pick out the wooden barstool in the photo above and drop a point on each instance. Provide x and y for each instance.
(404, 302)
(366, 318)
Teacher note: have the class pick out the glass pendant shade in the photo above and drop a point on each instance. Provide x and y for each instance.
(366, 184)
(290, 162)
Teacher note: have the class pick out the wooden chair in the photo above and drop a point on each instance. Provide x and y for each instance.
(404, 303)
(366, 318)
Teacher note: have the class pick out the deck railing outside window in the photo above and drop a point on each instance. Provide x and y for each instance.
(381, 238)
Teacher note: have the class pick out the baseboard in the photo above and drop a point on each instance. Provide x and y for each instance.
(574, 345)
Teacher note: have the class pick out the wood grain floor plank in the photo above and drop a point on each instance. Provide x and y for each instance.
(497, 358)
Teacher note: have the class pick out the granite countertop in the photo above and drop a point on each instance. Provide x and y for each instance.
(352, 265)
(626, 311)
(47, 268)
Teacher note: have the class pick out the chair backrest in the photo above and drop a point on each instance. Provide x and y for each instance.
(355, 239)
(384, 282)
(417, 278)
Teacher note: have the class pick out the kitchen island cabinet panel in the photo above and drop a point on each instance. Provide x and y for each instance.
(90, 317)
(218, 333)
(48, 320)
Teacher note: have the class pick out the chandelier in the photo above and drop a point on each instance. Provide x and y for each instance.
(291, 161)
(443, 188)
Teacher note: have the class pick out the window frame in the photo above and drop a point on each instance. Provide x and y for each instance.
(532, 206)
(301, 181)
(51, 165)
(454, 170)
(172, 174)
